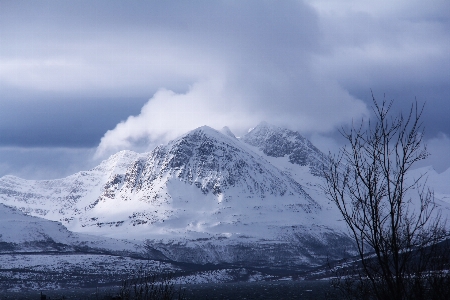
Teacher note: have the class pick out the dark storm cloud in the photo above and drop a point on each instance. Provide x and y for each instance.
(45, 163)
(51, 122)
(397, 48)
(82, 71)
(116, 45)
(253, 58)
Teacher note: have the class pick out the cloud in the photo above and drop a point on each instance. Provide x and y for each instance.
(46, 162)
(242, 68)
(215, 103)
(439, 149)
(91, 70)
(308, 65)
(169, 114)
(397, 48)
(137, 48)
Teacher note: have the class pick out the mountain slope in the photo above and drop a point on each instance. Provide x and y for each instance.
(53, 199)
(20, 232)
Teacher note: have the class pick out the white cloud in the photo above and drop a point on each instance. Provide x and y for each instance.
(168, 115)
(321, 106)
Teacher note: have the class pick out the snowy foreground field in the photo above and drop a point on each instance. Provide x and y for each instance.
(268, 290)
(40, 272)
(37, 271)
(94, 276)
(26, 272)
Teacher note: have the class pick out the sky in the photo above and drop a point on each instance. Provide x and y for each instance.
(81, 80)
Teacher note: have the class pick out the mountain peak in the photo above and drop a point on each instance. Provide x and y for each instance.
(216, 161)
(263, 125)
(225, 130)
(264, 128)
(276, 141)
(204, 130)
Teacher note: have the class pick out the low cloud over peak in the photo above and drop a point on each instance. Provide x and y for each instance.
(168, 114)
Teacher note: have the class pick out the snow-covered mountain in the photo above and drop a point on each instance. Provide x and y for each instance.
(249, 205)
(253, 199)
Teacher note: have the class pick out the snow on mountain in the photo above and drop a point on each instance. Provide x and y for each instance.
(285, 155)
(204, 197)
(53, 199)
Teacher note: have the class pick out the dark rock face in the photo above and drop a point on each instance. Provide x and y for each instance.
(280, 142)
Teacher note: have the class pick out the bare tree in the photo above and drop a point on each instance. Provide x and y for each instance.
(392, 218)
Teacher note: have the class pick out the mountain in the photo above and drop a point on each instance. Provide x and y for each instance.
(207, 196)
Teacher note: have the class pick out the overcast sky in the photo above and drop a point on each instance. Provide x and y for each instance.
(80, 80)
